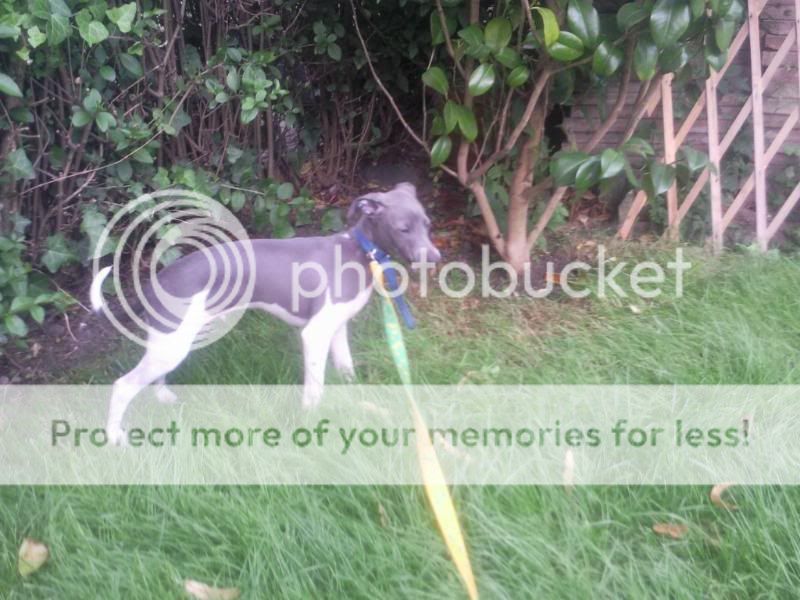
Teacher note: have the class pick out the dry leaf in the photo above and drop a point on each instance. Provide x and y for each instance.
(716, 496)
(635, 309)
(201, 591)
(384, 518)
(674, 530)
(32, 555)
(568, 475)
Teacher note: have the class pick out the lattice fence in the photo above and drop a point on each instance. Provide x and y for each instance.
(755, 186)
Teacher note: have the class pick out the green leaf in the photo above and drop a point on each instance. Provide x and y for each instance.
(108, 73)
(715, 57)
(232, 79)
(37, 314)
(669, 21)
(567, 48)
(59, 7)
(450, 116)
(21, 303)
(436, 79)
(131, 64)
(721, 8)
(284, 191)
(565, 165)
(142, 155)
(94, 33)
(611, 163)
(20, 114)
(19, 165)
(58, 253)
(441, 150)
(645, 58)
(16, 326)
(437, 35)
(81, 118)
(630, 14)
(518, 76)
(661, 177)
(92, 101)
(481, 80)
(637, 145)
(695, 160)
(674, 58)
(57, 29)
(124, 171)
(467, 123)
(724, 31)
(497, 34)
(93, 224)
(9, 87)
(550, 27)
(472, 35)
(583, 21)
(334, 51)
(238, 200)
(508, 57)
(588, 173)
(607, 59)
(698, 8)
(9, 32)
(36, 37)
(105, 121)
(122, 16)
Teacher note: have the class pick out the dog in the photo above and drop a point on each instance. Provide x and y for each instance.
(394, 221)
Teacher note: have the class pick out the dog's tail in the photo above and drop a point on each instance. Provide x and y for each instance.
(96, 291)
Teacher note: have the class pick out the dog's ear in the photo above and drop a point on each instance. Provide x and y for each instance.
(365, 206)
(407, 186)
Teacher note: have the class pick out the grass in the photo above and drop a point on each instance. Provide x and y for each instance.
(737, 323)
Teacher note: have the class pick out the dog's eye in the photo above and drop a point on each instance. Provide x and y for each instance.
(405, 229)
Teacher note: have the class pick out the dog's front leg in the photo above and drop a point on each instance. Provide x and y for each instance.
(317, 337)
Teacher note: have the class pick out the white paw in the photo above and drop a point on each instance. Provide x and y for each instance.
(166, 395)
(347, 373)
(116, 435)
(312, 396)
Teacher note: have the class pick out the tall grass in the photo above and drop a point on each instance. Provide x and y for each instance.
(738, 322)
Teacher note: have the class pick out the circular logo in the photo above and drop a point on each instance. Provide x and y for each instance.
(210, 266)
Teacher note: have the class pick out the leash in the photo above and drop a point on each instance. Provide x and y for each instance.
(375, 254)
(432, 475)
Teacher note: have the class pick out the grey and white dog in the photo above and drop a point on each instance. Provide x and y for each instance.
(395, 221)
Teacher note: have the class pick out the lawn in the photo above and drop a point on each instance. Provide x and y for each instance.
(738, 322)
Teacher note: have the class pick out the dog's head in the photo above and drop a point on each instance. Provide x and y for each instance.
(396, 222)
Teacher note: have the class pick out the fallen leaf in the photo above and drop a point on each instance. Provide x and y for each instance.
(201, 591)
(384, 518)
(635, 309)
(568, 475)
(553, 278)
(32, 555)
(716, 496)
(674, 530)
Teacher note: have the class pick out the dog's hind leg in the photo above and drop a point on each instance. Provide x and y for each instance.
(340, 352)
(165, 351)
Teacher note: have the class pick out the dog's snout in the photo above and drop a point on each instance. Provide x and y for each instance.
(428, 253)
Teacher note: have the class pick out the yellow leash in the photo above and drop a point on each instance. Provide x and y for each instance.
(432, 476)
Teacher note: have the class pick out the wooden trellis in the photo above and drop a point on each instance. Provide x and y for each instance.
(722, 216)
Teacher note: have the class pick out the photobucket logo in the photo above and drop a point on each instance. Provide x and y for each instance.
(166, 221)
(458, 279)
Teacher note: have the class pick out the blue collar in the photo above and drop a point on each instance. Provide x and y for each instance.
(374, 253)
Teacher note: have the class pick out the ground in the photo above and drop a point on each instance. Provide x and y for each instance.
(737, 323)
